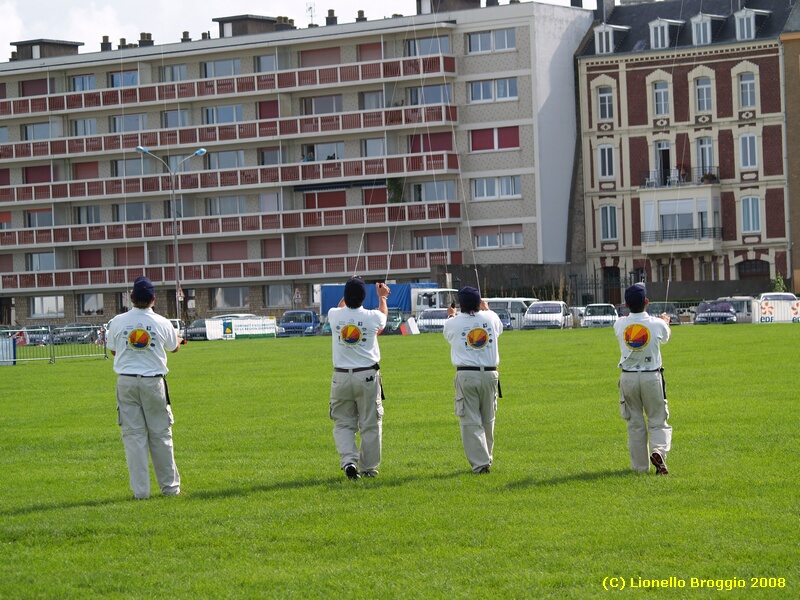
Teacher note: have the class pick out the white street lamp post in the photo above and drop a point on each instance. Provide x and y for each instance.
(174, 209)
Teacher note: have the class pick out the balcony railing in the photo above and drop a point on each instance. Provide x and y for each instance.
(678, 176)
(394, 68)
(284, 222)
(672, 235)
(250, 271)
(429, 115)
(275, 175)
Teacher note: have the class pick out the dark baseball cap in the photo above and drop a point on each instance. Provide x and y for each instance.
(469, 298)
(355, 290)
(143, 290)
(636, 295)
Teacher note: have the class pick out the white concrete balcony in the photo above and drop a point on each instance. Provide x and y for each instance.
(702, 240)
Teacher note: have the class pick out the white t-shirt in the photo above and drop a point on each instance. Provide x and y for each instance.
(473, 339)
(640, 337)
(141, 339)
(355, 336)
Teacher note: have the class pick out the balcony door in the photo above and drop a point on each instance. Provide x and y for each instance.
(662, 162)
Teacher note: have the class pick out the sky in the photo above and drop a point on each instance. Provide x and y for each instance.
(89, 21)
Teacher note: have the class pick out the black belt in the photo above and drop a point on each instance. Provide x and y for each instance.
(134, 375)
(375, 367)
(643, 371)
(476, 368)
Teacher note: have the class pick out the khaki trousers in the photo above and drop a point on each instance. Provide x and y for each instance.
(475, 405)
(146, 422)
(643, 394)
(356, 407)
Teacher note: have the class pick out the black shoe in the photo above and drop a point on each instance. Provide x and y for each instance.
(659, 464)
(351, 471)
(369, 473)
(484, 470)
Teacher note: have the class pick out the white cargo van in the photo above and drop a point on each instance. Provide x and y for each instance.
(516, 307)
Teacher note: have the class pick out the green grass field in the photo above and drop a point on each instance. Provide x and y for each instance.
(266, 513)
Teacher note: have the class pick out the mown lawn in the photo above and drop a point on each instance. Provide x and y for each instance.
(265, 512)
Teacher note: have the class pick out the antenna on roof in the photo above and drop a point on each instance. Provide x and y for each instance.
(310, 11)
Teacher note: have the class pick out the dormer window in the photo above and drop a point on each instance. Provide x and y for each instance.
(661, 31)
(606, 37)
(747, 20)
(702, 31)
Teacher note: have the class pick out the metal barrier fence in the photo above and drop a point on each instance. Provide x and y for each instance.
(34, 343)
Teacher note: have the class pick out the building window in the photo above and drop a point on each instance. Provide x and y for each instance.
(751, 215)
(131, 211)
(709, 271)
(604, 41)
(429, 94)
(434, 191)
(82, 127)
(428, 46)
(123, 79)
(373, 147)
(488, 41)
(436, 239)
(705, 155)
(222, 114)
(702, 32)
(266, 64)
(499, 138)
(745, 26)
(661, 97)
(370, 100)
(497, 89)
(40, 261)
(86, 215)
(230, 159)
(608, 222)
(501, 236)
(39, 218)
(90, 304)
(125, 123)
(748, 155)
(132, 167)
(279, 295)
(493, 188)
(230, 297)
(41, 131)
(270, 156)
(703, 94)
(3, 135)
(50, 307)
(659, 35)
(5, 220)
(668, 271)
(82, 83)
(605, 154)
(270, 202)
(225, 205)
(605, 103)
(173, 73)
(172, 119)
(747, 90)
(222, 68)
(329, 151)
(322, 105)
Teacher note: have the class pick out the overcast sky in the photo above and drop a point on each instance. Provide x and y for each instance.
(166, 20)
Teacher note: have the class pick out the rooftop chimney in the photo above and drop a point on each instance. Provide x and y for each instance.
(360, 18)
(145, 39)
(123, 43)
(186, 37)
(205, 35)
(105, 45)
(13, 57)
(331, 19)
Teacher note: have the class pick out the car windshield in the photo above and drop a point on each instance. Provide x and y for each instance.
(501, 312)
(434, 314)
(719, 307)
(297, 318)
(543, 308)
(656, 308)
(778, 296)
(600, 311)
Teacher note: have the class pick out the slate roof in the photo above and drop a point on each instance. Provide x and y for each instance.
(639, 16)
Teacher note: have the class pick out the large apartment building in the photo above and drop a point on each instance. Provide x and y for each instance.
(684, 145)
(252, 166)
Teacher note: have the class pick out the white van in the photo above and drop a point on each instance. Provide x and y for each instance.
(743, 305)
(516, 307)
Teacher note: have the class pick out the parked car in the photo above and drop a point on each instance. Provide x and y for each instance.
(179, 326)
(599, 315)
(550, 314)
(516, 306)
(298, 323)
(656, 309)
(577, 312)
(76, 333)
(714, 311)
(196, 330)
(432, 320)
(743, 306)
(622, 310)
(505, 318)
(39, 335)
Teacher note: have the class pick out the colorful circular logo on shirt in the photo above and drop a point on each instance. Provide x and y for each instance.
(636, 336)
(477, 338)
(350, 335)
(139, 339)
